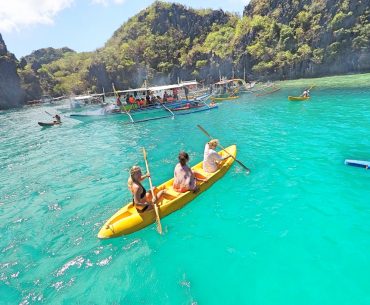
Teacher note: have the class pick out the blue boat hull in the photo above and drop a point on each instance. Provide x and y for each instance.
(358, 163)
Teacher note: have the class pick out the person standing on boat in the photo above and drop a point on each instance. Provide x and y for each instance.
(118, 101)
(147, 97)
(141, 199)
(165, 97)
(211, 159)
(186, 90)
(175, 92)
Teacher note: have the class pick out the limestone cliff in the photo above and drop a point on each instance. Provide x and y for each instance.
(11, 93)
(307, 38)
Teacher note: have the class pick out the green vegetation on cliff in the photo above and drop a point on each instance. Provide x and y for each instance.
(275, 39)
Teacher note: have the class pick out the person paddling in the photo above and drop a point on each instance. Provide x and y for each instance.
(185, 179)
(306, 93)
(141, 199)
(57, 119)
(211, 159)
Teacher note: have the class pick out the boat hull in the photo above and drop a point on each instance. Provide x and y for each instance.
(127, 220)
(186, 108)
(298, 98)
(358, 163)
(46, 124)
(228, 98)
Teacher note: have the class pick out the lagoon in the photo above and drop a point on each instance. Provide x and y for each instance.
(294, 231)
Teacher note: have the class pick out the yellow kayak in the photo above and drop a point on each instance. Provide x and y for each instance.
(298, 98)
(127, 220)
(219, 99)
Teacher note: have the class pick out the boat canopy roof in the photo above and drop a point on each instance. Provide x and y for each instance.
(132, 90)
(226, 81)
(161, 88)
(82, 97)
(164, 87)
(189, 83)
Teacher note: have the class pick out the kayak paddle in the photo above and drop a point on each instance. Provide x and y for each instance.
(159, 226)
(209, 136)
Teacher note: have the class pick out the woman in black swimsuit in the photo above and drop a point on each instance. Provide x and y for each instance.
(141, 199)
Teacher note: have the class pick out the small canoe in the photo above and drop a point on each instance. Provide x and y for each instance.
(358, 163)
(47, 124)
(127, 220)
(227, 98)
(298, 98)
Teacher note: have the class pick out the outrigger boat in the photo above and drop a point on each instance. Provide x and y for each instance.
(128, 220)
(231, 89)
(86, 101)
(140, 111)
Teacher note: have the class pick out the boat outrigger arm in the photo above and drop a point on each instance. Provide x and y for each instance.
(203, 99)
(168, 109)
(129, 115)
(116, 93)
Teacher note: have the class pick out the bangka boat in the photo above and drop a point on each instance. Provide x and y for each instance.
(83, 101)
(161, 103)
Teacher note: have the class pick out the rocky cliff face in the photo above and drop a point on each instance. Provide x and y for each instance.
(44, 56)
(37, 83)
(11, 93)
(321, 37)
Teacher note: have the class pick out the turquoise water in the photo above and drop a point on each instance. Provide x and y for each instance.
(294, 231)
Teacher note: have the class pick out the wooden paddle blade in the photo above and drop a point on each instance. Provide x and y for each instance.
(144, 153)
(202, 129)
(242, 165)
(158, 221)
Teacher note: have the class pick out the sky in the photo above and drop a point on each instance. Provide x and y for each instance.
(82, 25)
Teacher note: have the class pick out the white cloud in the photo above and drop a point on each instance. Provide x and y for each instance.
(17, 14)
(107, 2)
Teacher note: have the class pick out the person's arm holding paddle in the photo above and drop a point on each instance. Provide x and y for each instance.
(209, 136)
(154, 197)
(212, 160)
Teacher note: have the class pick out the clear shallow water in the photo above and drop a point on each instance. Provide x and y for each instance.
(295, 231)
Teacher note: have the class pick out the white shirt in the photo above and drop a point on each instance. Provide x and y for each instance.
(209, 159)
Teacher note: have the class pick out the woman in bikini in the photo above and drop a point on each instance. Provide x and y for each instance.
(141, 199)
